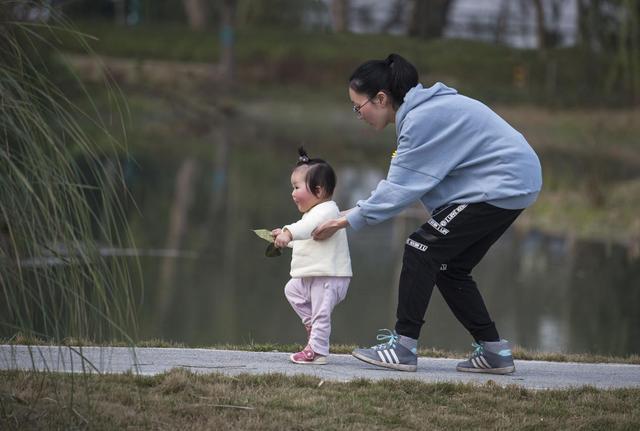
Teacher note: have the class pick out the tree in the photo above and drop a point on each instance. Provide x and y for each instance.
(397, 13)
(547, 32)
(340, 15)
(540, 27)
(227, 25)
(612, 28)
(429, 18)
(197, 13)
(502, 21)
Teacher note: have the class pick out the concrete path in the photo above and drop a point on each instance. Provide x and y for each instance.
(149, 361)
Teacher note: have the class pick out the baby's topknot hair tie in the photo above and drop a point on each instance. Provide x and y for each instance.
(304, 158)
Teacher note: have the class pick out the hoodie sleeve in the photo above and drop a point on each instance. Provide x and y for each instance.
(401, 188)
(419, 165)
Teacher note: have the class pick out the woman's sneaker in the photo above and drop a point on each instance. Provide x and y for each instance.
(309, 357)
(489, 357)
(390, 354)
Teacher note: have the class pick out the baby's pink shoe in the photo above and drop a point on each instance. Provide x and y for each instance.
(308, 356)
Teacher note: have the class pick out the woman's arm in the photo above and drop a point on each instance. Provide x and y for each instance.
(345, 212)
(328, 228)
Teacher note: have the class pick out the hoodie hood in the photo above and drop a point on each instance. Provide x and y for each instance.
(419, 95)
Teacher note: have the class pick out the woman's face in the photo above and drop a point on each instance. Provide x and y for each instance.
(376, 111)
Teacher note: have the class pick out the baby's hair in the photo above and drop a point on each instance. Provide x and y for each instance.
(320, 174)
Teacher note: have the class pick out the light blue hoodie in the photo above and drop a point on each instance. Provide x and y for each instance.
(452, 149)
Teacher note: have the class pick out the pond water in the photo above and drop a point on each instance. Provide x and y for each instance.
(207, 280)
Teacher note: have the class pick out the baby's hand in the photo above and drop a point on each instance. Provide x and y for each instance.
(283, 238)
(276, 232)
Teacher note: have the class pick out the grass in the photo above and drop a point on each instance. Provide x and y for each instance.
(183, 400)
(59, 198)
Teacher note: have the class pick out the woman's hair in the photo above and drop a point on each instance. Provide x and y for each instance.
(393, 75)
(320, 174)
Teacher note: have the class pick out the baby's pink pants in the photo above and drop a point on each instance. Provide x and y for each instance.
(313, 299)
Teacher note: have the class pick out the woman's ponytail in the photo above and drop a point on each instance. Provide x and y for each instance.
(393, 75)
(403, 76)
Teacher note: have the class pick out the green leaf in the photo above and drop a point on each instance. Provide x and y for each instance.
(264, 234)
(272, 251)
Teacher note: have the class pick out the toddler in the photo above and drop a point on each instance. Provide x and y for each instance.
(320, 270)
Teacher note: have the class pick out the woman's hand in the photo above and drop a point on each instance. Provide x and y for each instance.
(328, 228)
(345, 212)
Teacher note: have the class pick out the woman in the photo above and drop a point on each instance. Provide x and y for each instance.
(472, 171)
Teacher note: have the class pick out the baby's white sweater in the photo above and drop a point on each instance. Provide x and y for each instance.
(310, 258)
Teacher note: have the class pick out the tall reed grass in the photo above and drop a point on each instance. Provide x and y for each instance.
(61, 193)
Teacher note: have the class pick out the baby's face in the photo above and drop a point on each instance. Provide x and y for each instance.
(302, 196)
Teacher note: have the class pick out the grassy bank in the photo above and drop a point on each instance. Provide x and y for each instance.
(182, 400)
(562, 77)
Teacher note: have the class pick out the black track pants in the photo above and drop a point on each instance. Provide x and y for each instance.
(443, 252)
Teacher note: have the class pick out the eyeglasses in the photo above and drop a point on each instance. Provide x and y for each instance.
(357, 109)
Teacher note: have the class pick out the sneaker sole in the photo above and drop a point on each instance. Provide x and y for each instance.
(401, 367)
(504, 370)
(317, 361)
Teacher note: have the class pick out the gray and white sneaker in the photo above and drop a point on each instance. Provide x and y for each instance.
(391, 354)
(489, 357)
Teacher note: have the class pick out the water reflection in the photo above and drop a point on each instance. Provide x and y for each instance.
(545, 292)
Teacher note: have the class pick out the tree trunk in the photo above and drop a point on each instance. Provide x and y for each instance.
(540, 28)
(120, 12)
(227, 57)
(502, 21)
(582, 23)
(197, 13)
(429, 18)
(340, 15)
(397, 13)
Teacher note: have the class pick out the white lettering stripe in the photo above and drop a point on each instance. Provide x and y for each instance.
(393, 353)
(388, 356)
(434, 224)
(484, 361)
(445, 221)
(382, 358)
(416, 245)
(477, 363)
